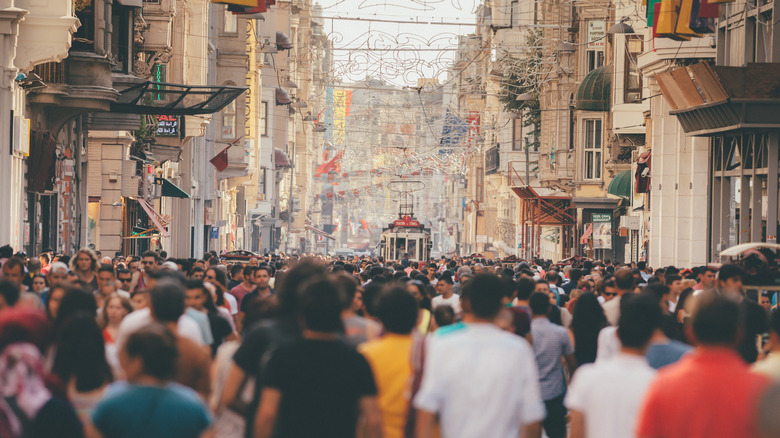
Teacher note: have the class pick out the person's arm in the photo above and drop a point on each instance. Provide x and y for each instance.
(266, 412)
(233, 384)
(208, 433)
(371, 424)
(577, 424)
(424, 424)
(571, 362)
(533, 430)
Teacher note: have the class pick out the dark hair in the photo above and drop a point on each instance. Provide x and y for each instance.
(672, 278)
(156, 346)
(716, 321)
(288, 285)
(151, 254)
(730, 270)
(166, 300)
(6, 251)
(75, 300)
(321, 305)
(444, 315)
(265, 268)
(641, 265)
(657, 290)
(446, 278)
(122, 271)
(574, 275)
(198, 284)
(105, 267)
(525, 287)
(196, 269)
(348, 286)
(587, 321)
(81, 354)
(219, 275)
(14, 262)
(539, 303)
(10, 292)
(246, 270)
(397, 309)
(624, 279)
(640, 315)
(484, 293)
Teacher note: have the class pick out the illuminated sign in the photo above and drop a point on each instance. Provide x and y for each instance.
(167, 126)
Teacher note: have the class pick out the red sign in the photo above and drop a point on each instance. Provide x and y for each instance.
(406, 221)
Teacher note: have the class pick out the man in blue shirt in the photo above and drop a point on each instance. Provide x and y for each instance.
(551, 343)
(150, 405)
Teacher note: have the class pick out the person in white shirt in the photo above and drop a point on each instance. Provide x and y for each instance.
(446, 296)
(480, 381)
(604, 398)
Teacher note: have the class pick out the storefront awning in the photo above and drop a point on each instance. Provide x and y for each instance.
(595, 91)
(158, 98)
(171, 190)
(596, 203)
(281, 160)
(621, 185)
(319, 232)
(709, 100)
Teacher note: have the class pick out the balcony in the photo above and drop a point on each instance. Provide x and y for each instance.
(556, 169)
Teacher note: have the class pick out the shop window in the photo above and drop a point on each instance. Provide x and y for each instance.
(593, 149)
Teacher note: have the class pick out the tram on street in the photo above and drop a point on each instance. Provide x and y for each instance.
(406, 236)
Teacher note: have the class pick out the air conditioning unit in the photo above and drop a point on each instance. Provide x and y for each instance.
(629, 222)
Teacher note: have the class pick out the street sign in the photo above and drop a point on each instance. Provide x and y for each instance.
(406, 221)
(214, 233)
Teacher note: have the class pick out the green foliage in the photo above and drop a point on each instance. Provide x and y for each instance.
(523, 74)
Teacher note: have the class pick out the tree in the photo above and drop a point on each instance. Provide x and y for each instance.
(524, 74)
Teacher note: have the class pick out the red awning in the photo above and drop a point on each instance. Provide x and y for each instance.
(586, 235)
(281, 160)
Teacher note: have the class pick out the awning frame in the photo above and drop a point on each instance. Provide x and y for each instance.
(174, 191)
(129, 98)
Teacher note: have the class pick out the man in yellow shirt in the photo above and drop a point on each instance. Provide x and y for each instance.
(390, 358)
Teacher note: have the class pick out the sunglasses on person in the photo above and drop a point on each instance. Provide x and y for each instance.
(126, 280)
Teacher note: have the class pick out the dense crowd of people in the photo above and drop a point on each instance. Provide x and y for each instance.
(276, 346)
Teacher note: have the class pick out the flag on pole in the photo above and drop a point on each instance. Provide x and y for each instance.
(220, 161)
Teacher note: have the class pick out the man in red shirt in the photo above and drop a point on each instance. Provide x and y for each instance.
(709, 392)
(246, 286)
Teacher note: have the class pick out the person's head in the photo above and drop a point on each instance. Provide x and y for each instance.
(730, 278)
(236, 272)
(542, 286)
(246, 274)
(397, 309)
(765, 301)
(350, 291)
(58, 272)
(140, 299)
(431, 271)
(166, 300)
(84, 261)
(674, 281)
(320, 305)
(444, 315)
(624, 280)
(444, 286)
(254, 261)
(124, 278)
(38, 283)
(525, 286)
(195, 295)
(707, 277)
(197, 273)
(287, 287)
(9, 294)
(482, 296)
(588, 314)
(640, 316)
(716, 321)
(150, 352)
(539, 303)
(105, 275)
(80, 354)
(13, 270)
(261, 276)
(133, 265)
(150, 261)
(45, 259)
(641, 265)
(609, 289)
(216, 276)
(115, 308)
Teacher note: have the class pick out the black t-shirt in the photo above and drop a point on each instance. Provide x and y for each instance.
(260, 341)
(756, 322)
(321, 384)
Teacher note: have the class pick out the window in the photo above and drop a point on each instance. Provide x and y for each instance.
(263, 122)
(596, 44)
(517, 134)
(121, 38)
(229, 120)
(231, 22)
(480, 184)
(633, 79)
(595, 59)
(84, 37)
(592, 152)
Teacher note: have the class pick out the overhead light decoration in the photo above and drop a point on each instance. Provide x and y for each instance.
(283, 42)
(282, 96)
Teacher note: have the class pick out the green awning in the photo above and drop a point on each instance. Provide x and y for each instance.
(621, 185)
(595, 91)
(171, 190)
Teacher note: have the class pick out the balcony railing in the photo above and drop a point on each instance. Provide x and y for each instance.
(52, 72)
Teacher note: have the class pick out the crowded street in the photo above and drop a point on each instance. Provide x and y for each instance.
(406, 219)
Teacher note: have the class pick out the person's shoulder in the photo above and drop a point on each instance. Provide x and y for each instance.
(185, 395)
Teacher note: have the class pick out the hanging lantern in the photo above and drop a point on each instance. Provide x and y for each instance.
(283, 41)
(282, 96)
